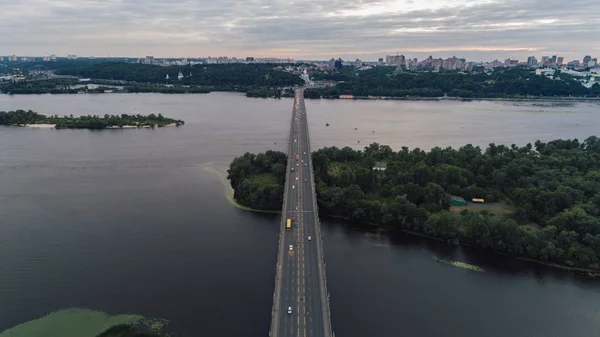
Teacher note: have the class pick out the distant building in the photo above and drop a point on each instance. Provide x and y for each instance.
(72, 57)
(358, 63)
(531, 61)
(380, 61)
(559, 61)
(149, 60)
(379, 166)
(586, 60)
(332, 64)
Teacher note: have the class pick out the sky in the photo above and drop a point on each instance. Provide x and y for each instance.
(478, 30)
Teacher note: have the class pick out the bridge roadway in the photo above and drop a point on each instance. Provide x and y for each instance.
(300, 281)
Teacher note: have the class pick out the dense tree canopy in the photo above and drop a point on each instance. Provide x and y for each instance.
(22, 117)
(550, 192)
(509, 82)
(258, 180)
(222, 76)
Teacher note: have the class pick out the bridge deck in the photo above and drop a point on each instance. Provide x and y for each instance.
(300, 281)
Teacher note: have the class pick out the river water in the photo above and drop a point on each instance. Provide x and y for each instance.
(130, 221)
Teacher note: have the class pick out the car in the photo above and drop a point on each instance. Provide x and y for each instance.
(296, 207)
(304, 164)
(304, 153)
(293, 187)
(309, 238)
(291, 247)
(303, 160)
(305, 179)
(290, 310)
(296, 178)
(294, 140)
(296, 164)
(292, 169)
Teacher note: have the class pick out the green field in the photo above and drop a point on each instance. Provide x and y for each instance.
(265, 178)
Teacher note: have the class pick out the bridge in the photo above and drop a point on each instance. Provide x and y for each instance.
(300, 300)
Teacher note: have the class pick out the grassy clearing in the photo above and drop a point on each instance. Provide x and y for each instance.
(229, 191)
(460, 265)
(496, 208)
(72, 322)
(265, 178)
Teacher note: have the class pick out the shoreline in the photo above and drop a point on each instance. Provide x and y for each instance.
(229, 191)
(363, 98)
(590, 272)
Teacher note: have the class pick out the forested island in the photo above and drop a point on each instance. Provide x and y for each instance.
(518, 82)
(541, 201)
(24, 118)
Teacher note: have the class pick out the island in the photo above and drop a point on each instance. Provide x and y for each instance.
(123, 121)
(82, 322)
(539, 202)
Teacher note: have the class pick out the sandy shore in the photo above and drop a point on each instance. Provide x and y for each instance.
(41, 126)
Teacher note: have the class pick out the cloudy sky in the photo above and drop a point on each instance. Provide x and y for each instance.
(302, 29)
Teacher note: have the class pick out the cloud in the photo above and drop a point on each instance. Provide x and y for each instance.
(304, 29)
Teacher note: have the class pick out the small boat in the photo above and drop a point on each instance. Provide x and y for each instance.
(327, 124)
(355, 129)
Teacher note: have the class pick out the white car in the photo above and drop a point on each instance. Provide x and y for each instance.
(296, 178)
(296, 164)
(291, 247)
(290, 310)
(304, 153)
(293, 187)
(303, 160)
(309, 238)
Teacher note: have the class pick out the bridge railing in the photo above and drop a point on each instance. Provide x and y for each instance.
(273, 331)
(328, 330)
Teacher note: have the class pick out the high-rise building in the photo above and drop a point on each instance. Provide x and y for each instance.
(531, 61)
(586, 59)
(545, 60)
(380, 61)
(332, 64)
(358, 63)
(553, 59)
(149, 60)
(559, 61)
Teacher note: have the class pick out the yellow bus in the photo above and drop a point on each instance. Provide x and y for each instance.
(288, 226)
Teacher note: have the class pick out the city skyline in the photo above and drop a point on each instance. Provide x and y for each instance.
(481, 30)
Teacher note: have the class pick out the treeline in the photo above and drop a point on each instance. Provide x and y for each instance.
(232, 77)
(501, 83)
(22, 117)
(52, 86)
(266, 92)
(555, 185)
(258, 180)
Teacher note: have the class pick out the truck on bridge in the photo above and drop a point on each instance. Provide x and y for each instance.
(288, 225)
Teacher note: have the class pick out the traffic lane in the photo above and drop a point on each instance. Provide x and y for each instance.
(289, 274)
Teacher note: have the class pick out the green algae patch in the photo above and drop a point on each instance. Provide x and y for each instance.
(229, 191)
(460, 265)
(77, 322)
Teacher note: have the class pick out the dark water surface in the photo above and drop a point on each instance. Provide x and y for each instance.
(128, 221)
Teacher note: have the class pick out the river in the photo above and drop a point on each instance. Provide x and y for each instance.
(130, 221)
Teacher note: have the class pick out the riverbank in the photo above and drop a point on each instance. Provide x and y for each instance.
(593, 273)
